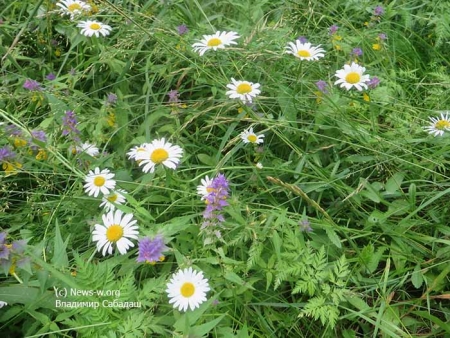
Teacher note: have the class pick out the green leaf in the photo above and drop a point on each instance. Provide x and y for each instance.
(417, 277)
(377, 217)
(39, 316)
(205, 159)
(234, 278)
(393, 184)
(437, 321)
(333, 237)
(60, 259)
(201, 330)
(28, 296)
(371, 193)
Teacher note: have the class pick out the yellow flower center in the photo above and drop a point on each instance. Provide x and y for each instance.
(214, 42)
(99, 181)
(112, 198)
(304, 53)
(353, 77)
(442, 124)
(95, 26)
(244, 88)
(159, 155)
(74, 7)
(187, 289)
(114, 233)
(252, 138)
(210, 189)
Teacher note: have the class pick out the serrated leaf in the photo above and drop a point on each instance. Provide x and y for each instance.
(333, 237)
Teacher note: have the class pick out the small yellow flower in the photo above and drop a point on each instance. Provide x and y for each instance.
(376, 46)
(11, 168)
(74, 273)
(41, 155)
(319, 95)
(240, 110)
(94, 8)
(58, 52)
(18, 142)
(111, 119)
(337, 47)
(366, 97)
(12, 268)
(337, 37)
(366, 23)
(180, 47)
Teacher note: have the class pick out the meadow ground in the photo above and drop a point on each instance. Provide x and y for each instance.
(224, 168)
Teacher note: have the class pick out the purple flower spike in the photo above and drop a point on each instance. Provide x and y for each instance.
(333, 29)
(357, 51)
(373, 82)
(32, 85)
(173, 96)
(111, 99)
(6, 154)
(69, 122)
(216, 200)
(305, 226)
(322, 86)
(182, 29)
(38, 135)
(378, 11)
(150, 251)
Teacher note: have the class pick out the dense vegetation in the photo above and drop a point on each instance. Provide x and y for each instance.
(325, 210)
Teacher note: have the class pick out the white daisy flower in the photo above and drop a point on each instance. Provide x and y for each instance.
(305, 51)
(248, 136)
(89, 28)
(243, 90)
(115, 229)
(2, 304)
(352, 76)
(97, 181)
(187, 289)
(115, 197)
(88, 148)
(219, 40)
(157, 152)
(135, 150)
(438, 125)
(73, 7)
(204, 189)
